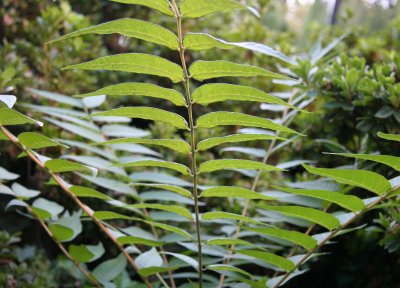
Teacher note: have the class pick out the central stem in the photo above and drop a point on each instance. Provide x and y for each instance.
(192, 137)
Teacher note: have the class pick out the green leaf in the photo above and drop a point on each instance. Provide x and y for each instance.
(276, 260)
(228, 241)
(148, 271)
(202, 41)
(233, 192)
(225, 215)
(212, 93)
(131, 28)
(223, 267)
(61, 233)
(61, 166)
(147, 113)
(140, 89)
(349, 202)
(7, 175)
(85, 192)
(170, 228)
(172, 188)
(110, 269)
(391, 137)
(295, 237)
(46, 209)
(236, 138)
(86, 253)
(365, 179)
(159, 5)
(203, 70)
(173, 144)
(313, 215)
(158, 163)
(388, 160)
(134, 63)
(224, 164)
(192, 262)
(22, 192)
(9, 117)
(7, 101)
(125, 240)
(108, 215)
(200, 8)
(215, 119)
(33, 140)
(169, 208)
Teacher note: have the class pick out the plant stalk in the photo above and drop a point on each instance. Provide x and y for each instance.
(193, 153)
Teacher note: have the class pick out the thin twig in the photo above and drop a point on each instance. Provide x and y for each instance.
(178, 17)
(82, 206)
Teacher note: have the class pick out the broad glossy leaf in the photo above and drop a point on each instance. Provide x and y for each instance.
(149, 258)
(22, 192)
(85, 192)
(192, 262)
(212, 93)
(33, 140)
(202, 41)
(292, 236)
(313, 215)
(173, 144)
(134, 63)
(349, 202)
(140, 89)
(86, 253)
(8, 100)
(98, 163)
(57, 97)
(61, 166)
(233, 192)
(158, 163)
(110, 269)
(391, 137)
(125, 240)
(200, 8)
(70, 221)
(223, 267)
(203, 70)
(61, 232)
(276, 260)
(226, 215)
(10, 117)
(215, 119)
(130, 28)
(388, 160)
(172, 188)
(147, 113)
(7, 175)
(46, 209)
(159, 5)
(169, 208)
(77, 130)
(224, 164)
(236, 138)
(365, 179)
